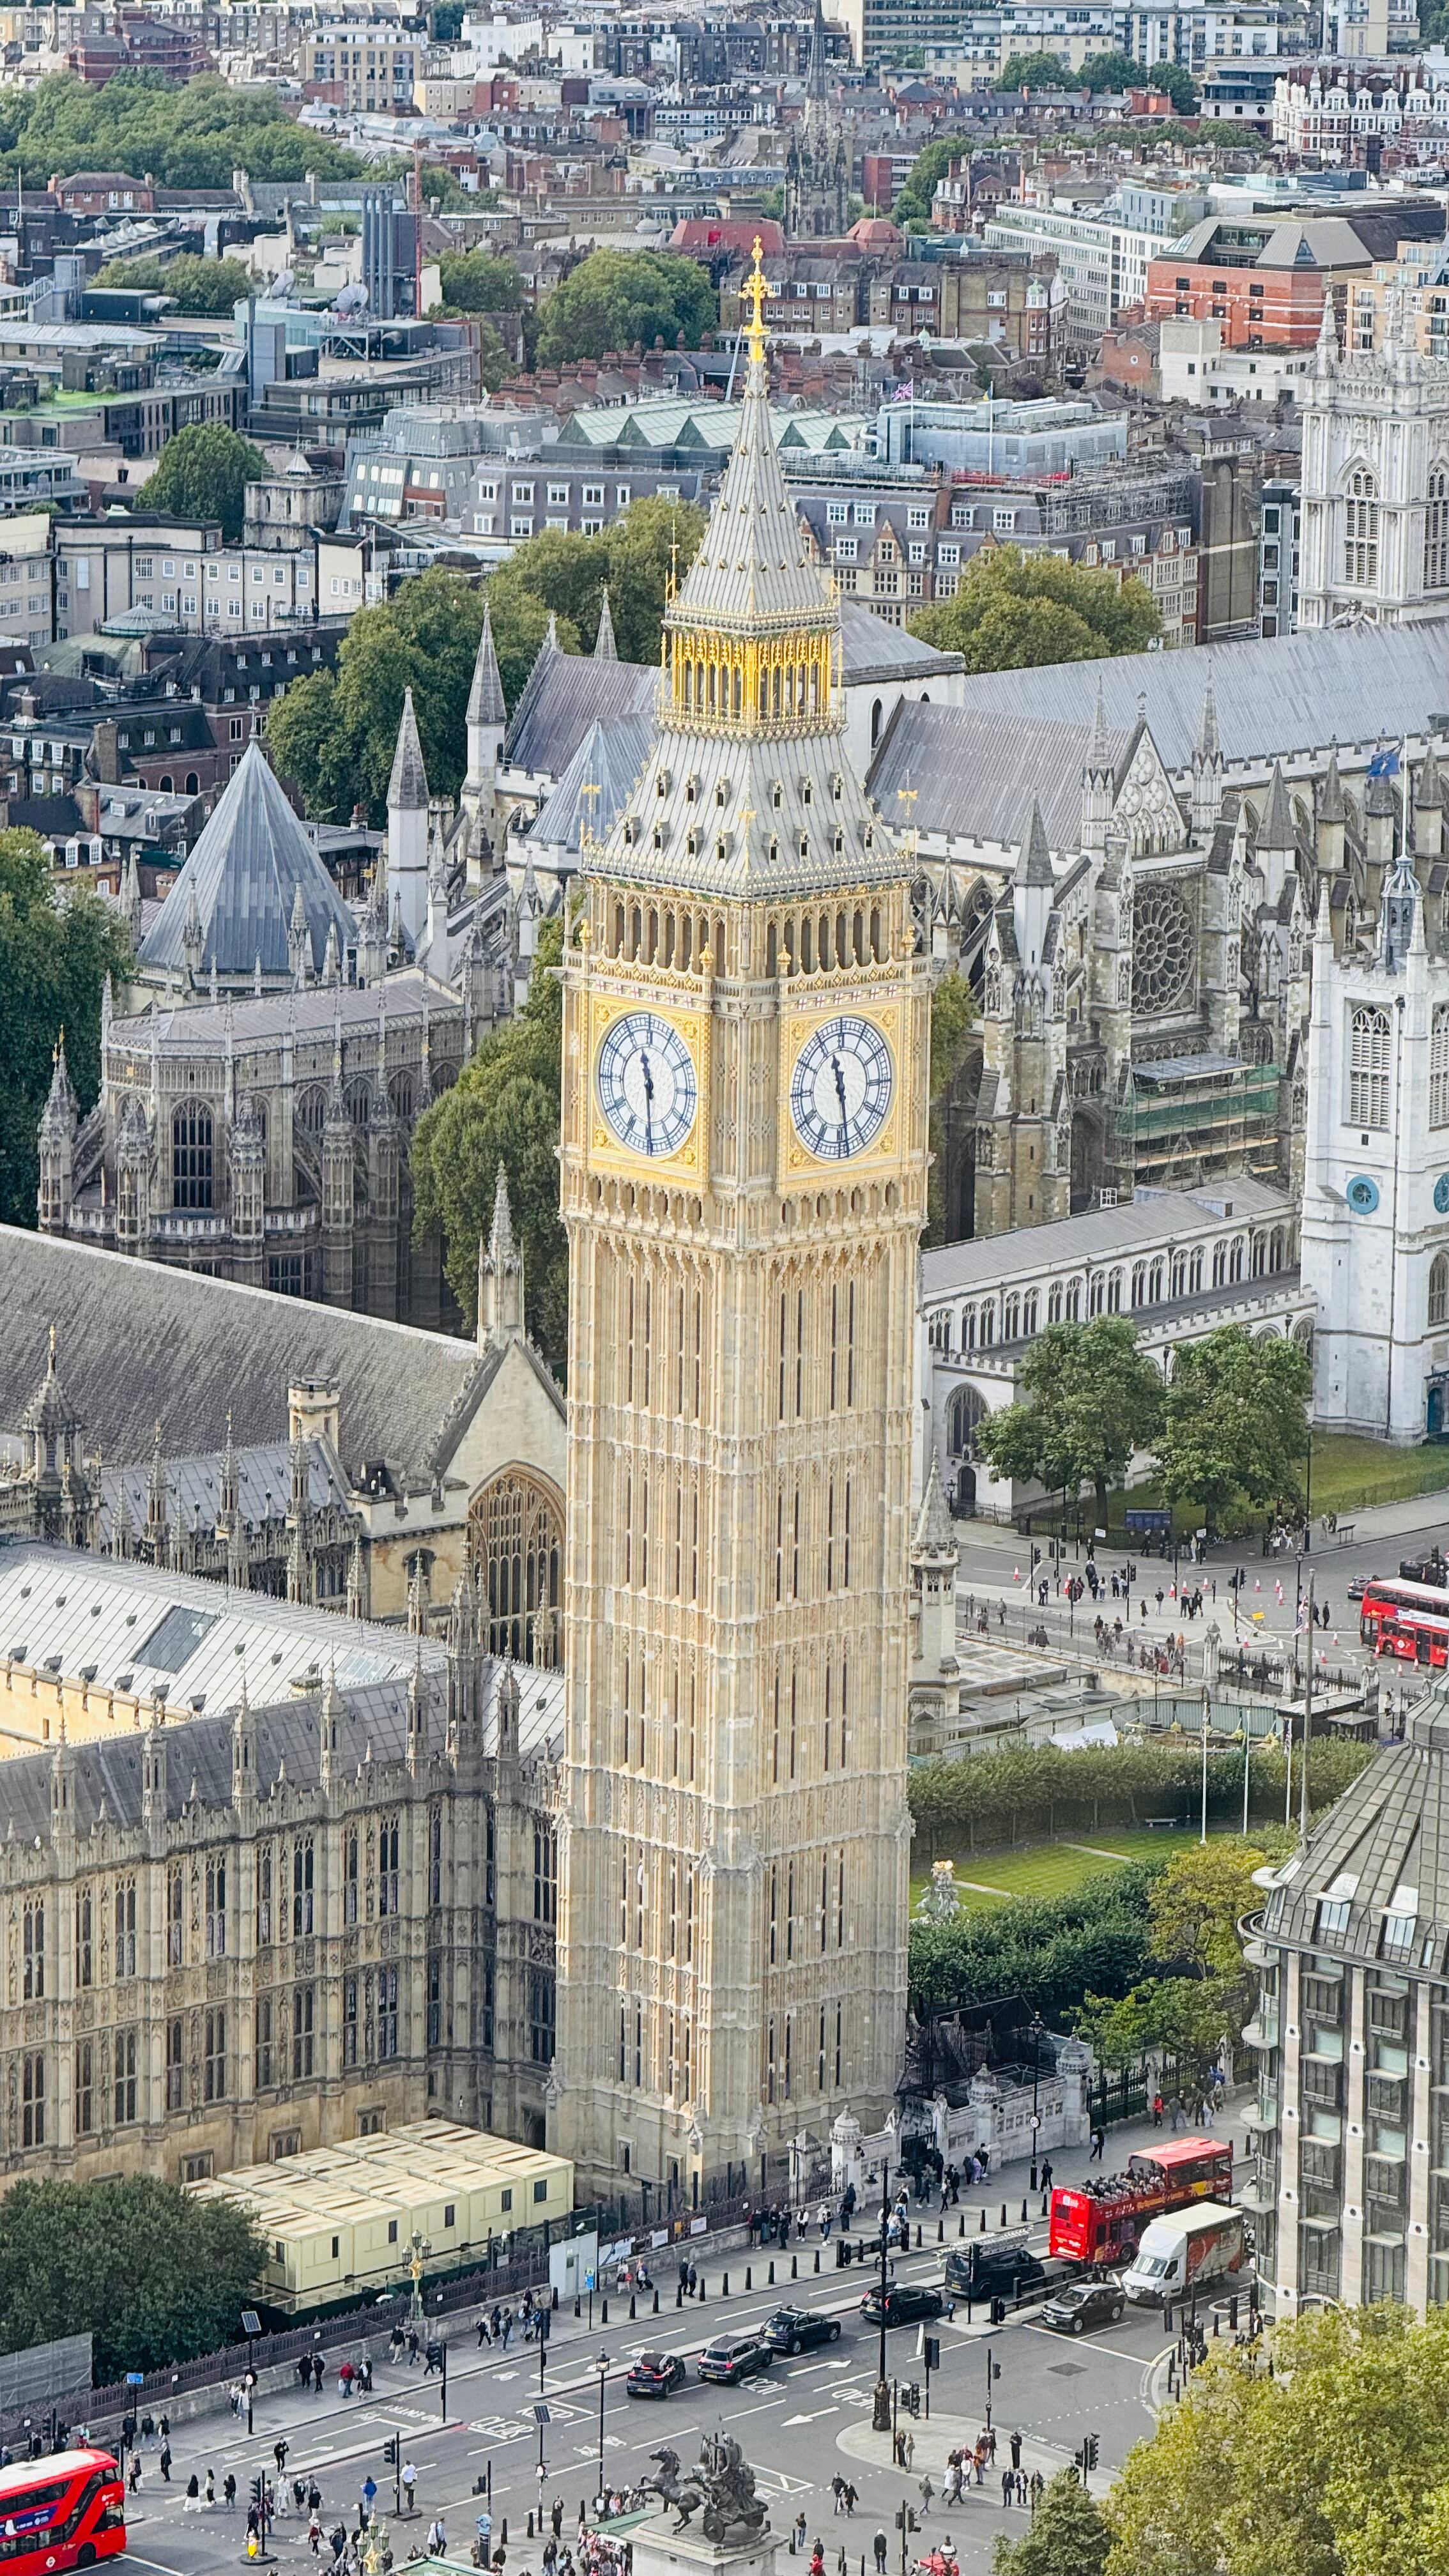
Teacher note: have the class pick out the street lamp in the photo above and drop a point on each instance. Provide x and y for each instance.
(602, 2367)
(1035, 2031)
(881, 2411)
(420, 2247)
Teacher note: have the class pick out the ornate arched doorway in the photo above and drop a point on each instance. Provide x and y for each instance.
(515, 1536)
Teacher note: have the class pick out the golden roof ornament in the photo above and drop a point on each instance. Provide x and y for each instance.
(754, 292)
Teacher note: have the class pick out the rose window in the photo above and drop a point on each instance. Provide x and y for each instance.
(1163, 942)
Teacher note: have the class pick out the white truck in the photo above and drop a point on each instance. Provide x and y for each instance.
(1198, 2248)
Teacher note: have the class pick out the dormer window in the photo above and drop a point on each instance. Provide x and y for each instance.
(691, 843)
(804, 845)
(837, 787)
(774, 849)
(777, 794)
(721, 794)
(658, 836)
(807, 793)
(839, 844)
(691, 791)
(661, 783)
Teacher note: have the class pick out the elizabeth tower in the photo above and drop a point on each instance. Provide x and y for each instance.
(744, 1181)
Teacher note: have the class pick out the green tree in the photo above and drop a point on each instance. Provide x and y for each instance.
(1201, 1898)
(54, 959)
(1091, 1399)
(504, 1109)
(1111, 72)
(154, 2273)
(1193, 1912)
(1069, 2535)
(1235, 1421)
(475, 281)
(634, 556)
(203, 474)
(192, 136)
(953, 1017)
(1015, 611)
(913, 204)
(617, 298)
(1336, 2465)
(1034, 71)
(1177, 82)
(198, 285)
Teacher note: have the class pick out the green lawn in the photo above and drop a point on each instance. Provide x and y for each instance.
(1052, 1868)
(1349, 1473)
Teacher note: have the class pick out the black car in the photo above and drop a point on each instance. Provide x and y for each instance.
(654, 2374)
(904, 2304)
(733, 2358)
(794, 2330)
(1084, 2304)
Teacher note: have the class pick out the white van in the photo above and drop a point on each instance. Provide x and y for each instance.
(1194, 2249)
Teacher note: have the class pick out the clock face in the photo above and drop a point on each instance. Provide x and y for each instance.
(841, 1088)
(1441, 1194)
(648, 1088)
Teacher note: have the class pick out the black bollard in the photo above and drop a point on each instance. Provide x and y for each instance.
(1217, 2325)
(1044, 2204)
(606, 2312)
(701, 2289)
(940, 2231)
(794, 2267)
(1003, 2213)
(983, 2222)
(918, 2236)
(633, 2310)
(529, 2533)
(656, 2303)
(679, 2294)
(817, 2258)
(504, 2532)
(724, 2287)
(553, 2303)
(1023, 2213)
(961, 2225)
(749, 2283)
(578, 2307)
(770, 2283)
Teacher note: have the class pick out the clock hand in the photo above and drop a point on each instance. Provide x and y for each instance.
(838, 1070)
(648, 1102)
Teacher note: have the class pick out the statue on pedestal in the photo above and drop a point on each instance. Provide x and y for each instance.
(720, 2488)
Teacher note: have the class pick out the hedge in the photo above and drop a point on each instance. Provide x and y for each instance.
(1028, 1794)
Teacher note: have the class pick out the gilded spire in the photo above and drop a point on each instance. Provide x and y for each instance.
(754, 291)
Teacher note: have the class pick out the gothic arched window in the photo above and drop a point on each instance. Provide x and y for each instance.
(1436, 531)
(1361, 530)
(1439, 1289)
(967, 1413)
(191, 1155)
(515, 1529)
(1368, 1068)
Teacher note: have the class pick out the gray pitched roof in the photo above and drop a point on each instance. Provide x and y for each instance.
(563, 695)
(872, 650)
(966, 768)
(140, 1342)
(1286, 694)
(248, 866)
(1099, 1234)
(596, 784)
(1384, 1847)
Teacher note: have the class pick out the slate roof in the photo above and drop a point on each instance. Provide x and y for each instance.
(245, 872)
(485, 696)
(874, 650)
(193, 1486)
(190, 1030)
(1287, 694)
(566, 693)
(608, 760)
(407, 788)
(140, 1342)
(1098, 1235)
(969, 770)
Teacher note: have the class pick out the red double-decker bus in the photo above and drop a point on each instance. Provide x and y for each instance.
(66, 2511)
(1408, 1620)
(1103, 2221)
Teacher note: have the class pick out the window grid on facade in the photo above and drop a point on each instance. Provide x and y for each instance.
(191, 1156)
(175, 2065)
(124, 2062)
(126, 1928)
(85, 2088)
(1361, 531)
(34, 1952)
(216, 1909)
(1436, 531)
(517, 1529)
(1439, 1066)
(1368, 1068)
(32, 2101)
(303, 2013)
(213, 2062)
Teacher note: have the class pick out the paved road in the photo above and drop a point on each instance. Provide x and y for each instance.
(995, 1569)
(810, 2418)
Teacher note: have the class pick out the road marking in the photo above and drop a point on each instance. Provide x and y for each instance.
(1089, 2343)
(814, 2418)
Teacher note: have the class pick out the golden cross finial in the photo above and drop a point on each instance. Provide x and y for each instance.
(754, 292)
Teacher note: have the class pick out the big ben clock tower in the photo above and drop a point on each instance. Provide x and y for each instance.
(744, 1181)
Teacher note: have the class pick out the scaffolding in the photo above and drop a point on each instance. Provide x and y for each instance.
(1186, 1116)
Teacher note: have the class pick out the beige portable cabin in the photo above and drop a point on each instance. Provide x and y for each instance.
(339, 2222)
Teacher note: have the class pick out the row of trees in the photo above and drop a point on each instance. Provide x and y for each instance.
(54, 960)
(1053, 1953)
(1100, 72)
(194, 136)
(199, 285)
(1029, 1792)
(1232, 1423)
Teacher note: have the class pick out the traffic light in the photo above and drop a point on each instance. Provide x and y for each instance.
(931, 2352)
(259, 2491)
(913, 2397)
(1091, 2451)
(392, 2450)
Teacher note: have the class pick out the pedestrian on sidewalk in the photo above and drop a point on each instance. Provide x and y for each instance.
(192, 2502)
(927, 2491)
(1046, 2173)
(1008, 2488)
(837, 2490)
(228, 2492)
(1015, 2441)
(882, 2550)
(133, 2474)
(1099, 2141)
(409, 2483)
(164, 2464)
(210, 2497)
(852, 2499)
(319, 2373)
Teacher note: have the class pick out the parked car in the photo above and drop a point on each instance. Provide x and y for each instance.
(654, 2374)
(904, 2304)
(795, 2330)
(1081, 2305)
(733, 2358)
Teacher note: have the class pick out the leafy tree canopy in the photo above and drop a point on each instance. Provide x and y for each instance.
(335, 735)
(616, 298)
(1235, 1421)
(1337, 2465)
(504, 1108)
(191, 137)
(474, 281)
(54, 959)
(1193, 1912)
(203, 474)
(1176, 82)
(1035, 71)
(1069, 2535)
(953, 1016)
(199, 285)
(913, 205)
(1111, 71)
(1015, 611)
(155, 2274)
(1091, 1399)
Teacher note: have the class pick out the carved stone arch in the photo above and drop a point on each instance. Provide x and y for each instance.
(516, 1538)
